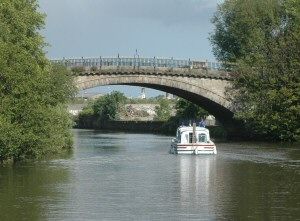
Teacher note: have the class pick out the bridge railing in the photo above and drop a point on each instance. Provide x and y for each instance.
(139, 62)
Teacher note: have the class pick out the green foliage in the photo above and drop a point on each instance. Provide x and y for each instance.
(187, 110)
(218, 132)
(94, 69)
(60, 85)
(88, 110)
(33, 118)
(263, 38)
(242, 27)
(104, 108)
(78, 70)
(163, 110)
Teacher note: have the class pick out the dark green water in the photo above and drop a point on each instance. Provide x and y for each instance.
(132, 177)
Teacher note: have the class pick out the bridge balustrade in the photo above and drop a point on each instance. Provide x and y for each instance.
(139, 62)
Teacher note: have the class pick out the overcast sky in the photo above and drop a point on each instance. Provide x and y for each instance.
(162, 28)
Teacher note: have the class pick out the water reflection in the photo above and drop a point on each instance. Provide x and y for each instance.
(196, 191)
(132, 177)
(240, 184)
(28, 191)
(259, 192)
(195, 176)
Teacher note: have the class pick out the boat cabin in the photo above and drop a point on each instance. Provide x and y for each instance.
(185, 135)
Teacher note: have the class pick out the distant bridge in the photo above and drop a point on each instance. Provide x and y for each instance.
(200, 82)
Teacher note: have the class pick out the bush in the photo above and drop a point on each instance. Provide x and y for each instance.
(163, 111)
(78, 70)
(94, 69)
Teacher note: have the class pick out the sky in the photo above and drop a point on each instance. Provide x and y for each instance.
(161, 28)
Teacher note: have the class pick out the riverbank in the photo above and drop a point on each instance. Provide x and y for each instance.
(122, 126)
(155, 127)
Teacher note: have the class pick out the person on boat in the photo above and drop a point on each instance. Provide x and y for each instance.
(202, 123)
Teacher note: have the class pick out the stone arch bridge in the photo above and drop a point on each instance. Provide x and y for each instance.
(203, 83)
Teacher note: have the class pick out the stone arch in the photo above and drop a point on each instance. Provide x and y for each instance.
(207, 92)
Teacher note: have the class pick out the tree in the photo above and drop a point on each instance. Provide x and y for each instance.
(185, 111)
(108, 106)
(188, 110)
(33, 117)
(163, 110)
(263, 39)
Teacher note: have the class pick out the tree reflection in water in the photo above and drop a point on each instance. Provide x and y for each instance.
(28, 190)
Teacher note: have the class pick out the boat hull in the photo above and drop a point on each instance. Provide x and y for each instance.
(196, 149)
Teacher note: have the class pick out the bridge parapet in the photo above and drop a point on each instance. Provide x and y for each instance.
(142, 62)
(149, 66)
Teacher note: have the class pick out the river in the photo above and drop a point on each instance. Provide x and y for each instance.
(121, 176)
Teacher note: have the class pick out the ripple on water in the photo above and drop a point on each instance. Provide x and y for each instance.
(118, 176)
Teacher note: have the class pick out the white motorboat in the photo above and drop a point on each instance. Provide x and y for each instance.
(192, 140)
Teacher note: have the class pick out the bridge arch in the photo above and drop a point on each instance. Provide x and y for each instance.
(209, 93)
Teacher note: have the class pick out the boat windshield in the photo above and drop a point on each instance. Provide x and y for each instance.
(202, 138)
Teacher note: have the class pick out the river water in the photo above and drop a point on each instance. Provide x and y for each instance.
(119, 176)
